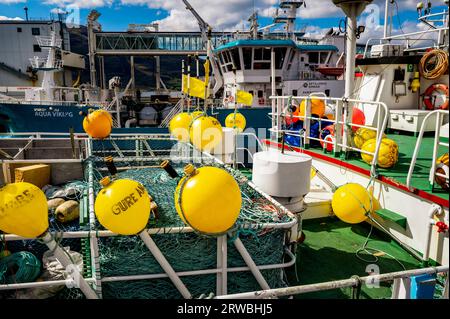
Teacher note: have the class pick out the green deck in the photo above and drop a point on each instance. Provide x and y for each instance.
(328, 253)
(399, 172)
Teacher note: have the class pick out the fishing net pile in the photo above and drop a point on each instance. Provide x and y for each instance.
(128, 255)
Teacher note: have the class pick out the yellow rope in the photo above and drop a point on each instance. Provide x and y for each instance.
(434, 64)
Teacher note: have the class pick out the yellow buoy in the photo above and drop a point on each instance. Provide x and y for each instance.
(196, 114)
(205, 133)
(351, 202)
(179, 126)
(98, 124)
(388, 153)
(208, 199)
(317, 107)
(23, 210)
(236, 120)
(122, 206)
(364, 134)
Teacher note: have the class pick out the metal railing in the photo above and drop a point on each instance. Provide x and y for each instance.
(174, 111)
(440, 115)
(343, 109)
(397, 277)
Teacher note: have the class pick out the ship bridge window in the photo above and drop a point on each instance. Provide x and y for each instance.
(37, 48)
(323, 57)
(280, 54)
(35, 31)
(247, 54)
(313, 57)
(226, 61)
(291, 59)
(261, 60)
(236, 58)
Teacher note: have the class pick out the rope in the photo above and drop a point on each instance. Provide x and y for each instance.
(434, 64)
(19, 267)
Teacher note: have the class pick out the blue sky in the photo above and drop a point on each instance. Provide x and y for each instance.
(223, 15)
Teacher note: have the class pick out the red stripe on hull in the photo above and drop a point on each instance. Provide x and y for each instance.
(420, 193)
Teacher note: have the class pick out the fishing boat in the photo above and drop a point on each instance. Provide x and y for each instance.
(343, 196)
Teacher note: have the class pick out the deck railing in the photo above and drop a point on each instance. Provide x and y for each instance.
(397, 277)
(343, 109)
(440, 115)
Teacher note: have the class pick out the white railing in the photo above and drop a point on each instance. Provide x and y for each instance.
(47, 42)
(372, 280)
(174, 111)
(343, 109)
(440, 115)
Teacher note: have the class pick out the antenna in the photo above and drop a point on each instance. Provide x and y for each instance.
(26, 13)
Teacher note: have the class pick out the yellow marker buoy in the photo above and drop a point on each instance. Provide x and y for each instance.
(236, 120)
(179, 126)
(98, 124)
(23, 210)
(196, 114)
(363, 134)
(122, 206)
(208, 199)
(388, 153)
(205, 133)
(351, 202)
(317, 107)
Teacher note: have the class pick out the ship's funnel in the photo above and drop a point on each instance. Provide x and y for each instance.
(352, 7)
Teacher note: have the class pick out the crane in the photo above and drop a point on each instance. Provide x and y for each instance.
(205, 30)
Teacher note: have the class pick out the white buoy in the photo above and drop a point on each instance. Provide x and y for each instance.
(282, 175)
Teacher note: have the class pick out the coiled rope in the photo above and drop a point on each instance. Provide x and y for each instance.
(434, 64)
(19, 267)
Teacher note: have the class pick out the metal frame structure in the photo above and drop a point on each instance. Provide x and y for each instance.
(343, 110)
(440, 115)
(221, 271)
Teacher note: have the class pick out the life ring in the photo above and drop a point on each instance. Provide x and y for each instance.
(427, 96)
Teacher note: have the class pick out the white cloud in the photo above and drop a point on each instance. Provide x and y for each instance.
(82, 4)
(221, 15)
(12, 1)
(3, 18)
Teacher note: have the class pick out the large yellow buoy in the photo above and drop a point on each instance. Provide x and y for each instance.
(317, 107)
(208, 199)
(98, 124)
(205, 133)
(122, 206)
(196, 114)
(351, 202)
(388, 153)
(236, 120)
(179, 126)
(23, 210)
(364, 134)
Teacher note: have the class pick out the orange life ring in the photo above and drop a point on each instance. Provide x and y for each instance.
(427, 100)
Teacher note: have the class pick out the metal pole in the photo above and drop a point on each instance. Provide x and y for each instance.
(133, 79)
(165, 264)
(330, 285)
(386, 19)
(251, 264)
(65, 260)
(275, 119)
(158, 73)
(222, 264)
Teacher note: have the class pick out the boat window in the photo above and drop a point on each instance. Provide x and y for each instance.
(262, 59)
(251, 92)
(266, 54)
(247, 53)
(280, 54)
(313, 57)
(323, 57)
(294, 92)
(236, 58)
(36, 48)
(260, 94)
(19, 29)
(35, 31)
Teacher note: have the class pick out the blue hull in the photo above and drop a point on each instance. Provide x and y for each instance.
(20, 118)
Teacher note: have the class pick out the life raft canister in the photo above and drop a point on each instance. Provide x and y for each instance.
(428, 99)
